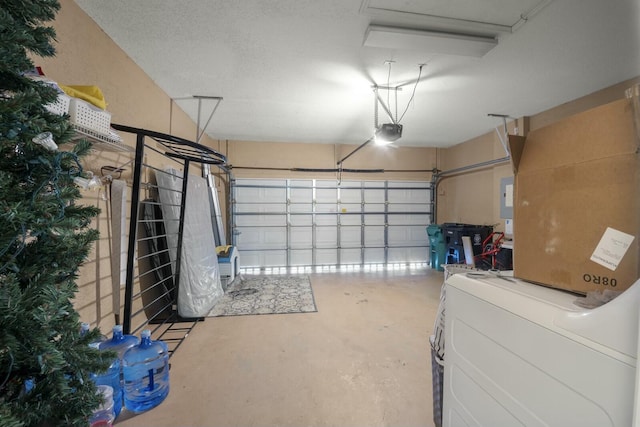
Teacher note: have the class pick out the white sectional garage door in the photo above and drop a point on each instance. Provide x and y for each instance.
(311, 222)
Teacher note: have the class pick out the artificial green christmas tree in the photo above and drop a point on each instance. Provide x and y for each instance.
(45, 235)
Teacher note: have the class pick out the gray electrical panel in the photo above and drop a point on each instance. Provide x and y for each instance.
(506, 198)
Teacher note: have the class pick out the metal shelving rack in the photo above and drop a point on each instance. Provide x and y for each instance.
(150, 301)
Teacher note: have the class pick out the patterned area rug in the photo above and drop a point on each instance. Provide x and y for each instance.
(266, 295)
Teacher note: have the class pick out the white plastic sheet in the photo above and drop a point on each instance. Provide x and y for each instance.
(118, 240)
(199, 282)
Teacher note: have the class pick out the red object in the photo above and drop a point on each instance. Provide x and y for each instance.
(490, 248)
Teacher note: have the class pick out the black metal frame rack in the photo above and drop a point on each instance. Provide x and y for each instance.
(150, 299)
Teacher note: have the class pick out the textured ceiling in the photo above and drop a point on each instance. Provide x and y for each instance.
(297, 70)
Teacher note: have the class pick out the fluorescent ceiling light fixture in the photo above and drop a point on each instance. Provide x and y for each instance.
(428, 41)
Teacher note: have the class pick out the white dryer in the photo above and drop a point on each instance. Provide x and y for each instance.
(519, 354)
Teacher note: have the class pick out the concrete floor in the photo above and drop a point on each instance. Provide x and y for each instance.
(362, 360)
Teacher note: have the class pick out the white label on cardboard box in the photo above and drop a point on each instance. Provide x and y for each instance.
(611, 249)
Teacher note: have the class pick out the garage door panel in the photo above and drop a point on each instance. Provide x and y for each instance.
(326, 219)
(374, 196)
(254, 259)
(373, 236)
(326, 195)
(274, 258)
(350, 256)
(301, 220)
(261, 220)
(351, 220)
(301, 183)
(405, 207)
(326, 256)
(262, 238)
(374, 208)
(301, 191)
(404, 196)
(301, 214)
(409, 191)
(351, 236)
(259, 208)
(326, 237)
(374, 219)
(249, 258)
(301, 257)
(417, 185)
(248, 237)
(374, 256)
(374, 191)
(304, 221)
(327, 207)
(351, 207)
(301, 195)
(301, 208)
(402, 255)
(401, 235)
(263, 195)
(301, 237)
(408, 219)
(261, 182)
(350, 195)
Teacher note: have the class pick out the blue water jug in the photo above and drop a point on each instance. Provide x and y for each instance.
(146, 374)
(84, 328)
(112, 378)
(119, 342)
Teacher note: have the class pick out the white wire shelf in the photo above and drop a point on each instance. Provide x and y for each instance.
(102, 142)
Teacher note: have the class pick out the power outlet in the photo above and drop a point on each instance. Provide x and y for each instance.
(508, 227)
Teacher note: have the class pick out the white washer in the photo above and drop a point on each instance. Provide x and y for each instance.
(519, 354)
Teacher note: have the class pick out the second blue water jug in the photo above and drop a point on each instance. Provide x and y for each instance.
(146, 374)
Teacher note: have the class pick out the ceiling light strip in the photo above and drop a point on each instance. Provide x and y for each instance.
(434, 21)
(380, 36)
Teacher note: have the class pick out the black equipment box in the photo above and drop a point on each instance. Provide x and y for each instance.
(453, 233)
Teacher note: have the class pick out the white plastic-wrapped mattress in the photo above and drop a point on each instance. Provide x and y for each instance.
(199, 280)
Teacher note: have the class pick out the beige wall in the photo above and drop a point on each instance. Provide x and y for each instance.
(474, 197)
(397, 163)
(463, 197)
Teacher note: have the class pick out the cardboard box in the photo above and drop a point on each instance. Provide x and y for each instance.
(577, 216)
